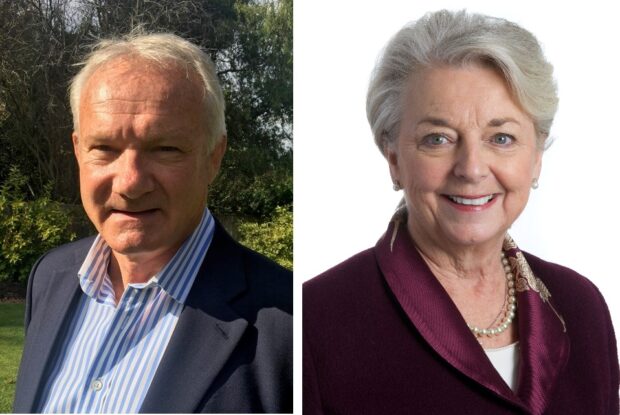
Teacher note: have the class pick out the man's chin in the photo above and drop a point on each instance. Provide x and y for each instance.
(131, 244)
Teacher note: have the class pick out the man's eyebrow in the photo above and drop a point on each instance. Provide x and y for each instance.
(94, 138)
(172, 135)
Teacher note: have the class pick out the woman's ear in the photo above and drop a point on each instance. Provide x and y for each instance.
(391, 155)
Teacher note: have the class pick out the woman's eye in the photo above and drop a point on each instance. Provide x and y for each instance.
(435, 139)
(503, 139)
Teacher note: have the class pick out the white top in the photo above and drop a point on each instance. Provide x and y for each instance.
(506, 359)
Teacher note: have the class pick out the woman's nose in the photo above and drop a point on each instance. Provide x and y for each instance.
(471, 163)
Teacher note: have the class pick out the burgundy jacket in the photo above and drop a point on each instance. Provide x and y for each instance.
(381, 336)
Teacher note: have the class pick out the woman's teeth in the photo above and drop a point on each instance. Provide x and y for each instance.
(472, 202)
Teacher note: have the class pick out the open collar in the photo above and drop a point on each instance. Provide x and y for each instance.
(175, 278)
(205, 337)
(206, 334)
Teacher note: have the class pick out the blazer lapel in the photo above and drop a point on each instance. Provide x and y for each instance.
(432, 312)
(542, 337)
(43, 332)
(206, 334)
(544, 341)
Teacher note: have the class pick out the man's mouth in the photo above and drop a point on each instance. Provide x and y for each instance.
(471, 201)
(134, 212)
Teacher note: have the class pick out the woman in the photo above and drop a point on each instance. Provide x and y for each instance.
(445, 314)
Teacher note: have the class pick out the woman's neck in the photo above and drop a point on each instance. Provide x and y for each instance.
(474, 278)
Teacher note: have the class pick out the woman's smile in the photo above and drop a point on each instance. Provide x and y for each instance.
(471, 203)
(465, 156)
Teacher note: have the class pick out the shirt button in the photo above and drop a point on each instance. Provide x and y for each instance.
(97, 385)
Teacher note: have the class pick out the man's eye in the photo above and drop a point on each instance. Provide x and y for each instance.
(103, 148)
(435, 140)
(502, 139)
(168, 149)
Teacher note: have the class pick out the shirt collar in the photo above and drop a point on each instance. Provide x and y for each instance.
(175, 278)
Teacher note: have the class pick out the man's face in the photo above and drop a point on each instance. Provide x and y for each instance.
(142, 152)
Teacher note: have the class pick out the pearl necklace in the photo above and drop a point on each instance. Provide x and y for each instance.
(510, 306)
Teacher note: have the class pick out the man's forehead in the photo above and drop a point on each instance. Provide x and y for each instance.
(130, 82)
(103, 103)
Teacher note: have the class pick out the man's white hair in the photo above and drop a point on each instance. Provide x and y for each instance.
(163, 49)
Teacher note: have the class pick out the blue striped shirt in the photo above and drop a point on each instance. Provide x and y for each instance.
(110, 353)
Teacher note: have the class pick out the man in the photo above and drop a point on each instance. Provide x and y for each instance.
(162, 311)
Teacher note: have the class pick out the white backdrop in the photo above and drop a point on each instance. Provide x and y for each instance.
(343, 195)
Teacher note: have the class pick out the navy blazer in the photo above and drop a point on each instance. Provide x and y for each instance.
(382, 336)
(231, 350)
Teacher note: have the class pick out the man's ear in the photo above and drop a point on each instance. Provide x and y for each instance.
(76, 143)
(215, 158)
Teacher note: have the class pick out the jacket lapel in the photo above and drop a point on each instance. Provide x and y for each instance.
(543, 342)
(432, 312)
(43, 332)
(206, 334)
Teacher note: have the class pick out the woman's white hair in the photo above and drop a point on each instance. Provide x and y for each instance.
(455, 39)
(163, 49)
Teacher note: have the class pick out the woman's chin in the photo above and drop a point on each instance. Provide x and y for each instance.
(471, 236)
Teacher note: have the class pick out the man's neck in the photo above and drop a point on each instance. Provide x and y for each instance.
(135, 268)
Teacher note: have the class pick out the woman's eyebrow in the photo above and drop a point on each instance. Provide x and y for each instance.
(440, 122)
(498, 122)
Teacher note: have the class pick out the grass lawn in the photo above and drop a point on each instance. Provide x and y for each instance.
(11, 343)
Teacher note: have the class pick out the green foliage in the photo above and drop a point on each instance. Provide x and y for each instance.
(250, 41)
(251, 44)
(257, 76)
(240, 194)
(273, 239)
(29, 226)
(11, 344)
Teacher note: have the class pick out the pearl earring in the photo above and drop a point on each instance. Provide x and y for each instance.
(396, 186)
(535, 183)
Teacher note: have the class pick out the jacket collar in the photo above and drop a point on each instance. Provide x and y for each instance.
(206, 334)
(543, 340)
(62, 293)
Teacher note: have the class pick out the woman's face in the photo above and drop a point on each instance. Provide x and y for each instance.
(465, 155)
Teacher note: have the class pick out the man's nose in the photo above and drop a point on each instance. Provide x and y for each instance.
(471, 162)
(132, 177)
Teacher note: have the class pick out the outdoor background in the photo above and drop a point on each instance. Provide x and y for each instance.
(41, 41)
(343, 192)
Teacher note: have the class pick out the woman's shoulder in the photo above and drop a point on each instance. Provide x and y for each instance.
(567, 287)
(559, 275)
(344, 283)
(341, 273)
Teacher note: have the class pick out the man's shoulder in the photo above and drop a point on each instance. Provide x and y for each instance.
(259, 266)
(266, 278)
(56, 272)
(264, 281)
(66, 255)
(255, 262)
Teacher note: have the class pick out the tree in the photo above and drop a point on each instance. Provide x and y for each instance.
(250, 41)
(41, 41)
